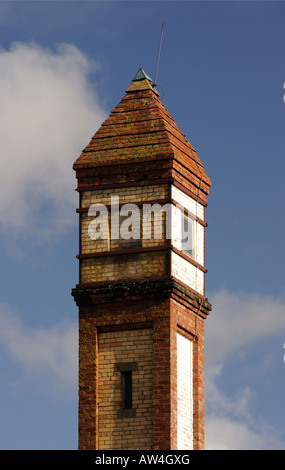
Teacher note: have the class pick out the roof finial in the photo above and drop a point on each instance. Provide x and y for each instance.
(141, 75)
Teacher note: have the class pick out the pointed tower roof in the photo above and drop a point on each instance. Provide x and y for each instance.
(140, 131)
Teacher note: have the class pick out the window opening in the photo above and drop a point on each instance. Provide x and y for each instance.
(127, 390)
(188, 239)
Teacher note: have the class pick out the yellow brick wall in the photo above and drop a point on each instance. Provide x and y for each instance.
(133, 195)
(126, 195)
(127, 433)
(124, 267)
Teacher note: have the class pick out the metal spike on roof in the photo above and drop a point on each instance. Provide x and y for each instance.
(141, 75)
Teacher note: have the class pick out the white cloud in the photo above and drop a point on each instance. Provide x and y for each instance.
(238, 322)
(224, 433)
(49, 353)
(48, 113)
(231, 422)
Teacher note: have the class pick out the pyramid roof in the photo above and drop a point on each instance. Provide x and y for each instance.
(141, 130)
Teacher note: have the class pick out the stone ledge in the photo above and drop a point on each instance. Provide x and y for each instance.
(131, 413)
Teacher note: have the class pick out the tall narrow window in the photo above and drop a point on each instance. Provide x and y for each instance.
(127, 407)
(127, 390)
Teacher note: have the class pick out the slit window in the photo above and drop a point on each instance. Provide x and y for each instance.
(126, 369)
(127, 389)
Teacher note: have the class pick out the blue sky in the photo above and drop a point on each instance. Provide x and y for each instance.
(63, 67)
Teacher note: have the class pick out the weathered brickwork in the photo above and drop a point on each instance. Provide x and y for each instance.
(87, 384)
(126, 432)
(127, 195)
(133, 195)
(151, 316)
(141, 129)
(164, 318)
(138, 298)
(124, 267)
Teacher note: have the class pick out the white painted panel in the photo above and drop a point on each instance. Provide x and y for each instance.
(199, 239)
(198, 229)
(184, 393)
(187, 202)
(184, 271)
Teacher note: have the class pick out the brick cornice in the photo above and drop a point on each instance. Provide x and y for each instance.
(92, 294)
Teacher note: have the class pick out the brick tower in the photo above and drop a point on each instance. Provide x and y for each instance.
(141, 296)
